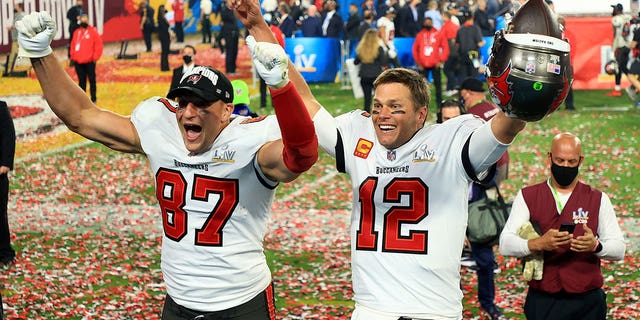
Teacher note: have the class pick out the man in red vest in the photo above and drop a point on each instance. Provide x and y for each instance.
(571, 283)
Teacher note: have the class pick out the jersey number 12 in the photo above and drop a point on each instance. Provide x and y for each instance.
(392, 240)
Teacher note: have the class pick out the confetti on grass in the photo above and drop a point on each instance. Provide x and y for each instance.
(88, 235)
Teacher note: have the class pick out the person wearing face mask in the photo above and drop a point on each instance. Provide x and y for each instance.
(474, 99)
(188, 54)
(570, 286)
(73, 15)
(86, 50)
(430, 51)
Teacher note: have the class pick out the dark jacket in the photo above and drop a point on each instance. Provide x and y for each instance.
(311, 26)
(7, 137)
(364, 26)
(177, 76)
(335, 29)
(481, 20)
(72, 15)
(147, 17)
(287, 26)
(372, 70)
(406, 25)
(352, 26)
(163, 28)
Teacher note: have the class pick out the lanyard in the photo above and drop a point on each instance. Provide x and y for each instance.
(556, 196)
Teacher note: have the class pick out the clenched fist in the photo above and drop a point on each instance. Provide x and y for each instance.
(270, 61)
(35, 32)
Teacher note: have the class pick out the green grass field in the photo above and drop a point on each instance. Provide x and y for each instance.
(88, 236)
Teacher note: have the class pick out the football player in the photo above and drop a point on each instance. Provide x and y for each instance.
(410, 183)
(214, 178)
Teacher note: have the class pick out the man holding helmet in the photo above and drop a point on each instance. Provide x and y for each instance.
(410, 180)
(528, 71)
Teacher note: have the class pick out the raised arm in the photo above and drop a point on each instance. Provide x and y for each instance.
(249, 14)
(65, 98)
(505, 129)
(285, 159)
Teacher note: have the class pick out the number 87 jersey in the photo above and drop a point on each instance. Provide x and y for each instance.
(215, 208)
(409, 215)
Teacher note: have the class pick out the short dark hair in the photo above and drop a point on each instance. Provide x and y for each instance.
(367, 14)
(414, 81)
(190, 47)
(451, 103)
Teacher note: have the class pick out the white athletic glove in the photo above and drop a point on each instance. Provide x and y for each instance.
(271, 62)
(35, 32)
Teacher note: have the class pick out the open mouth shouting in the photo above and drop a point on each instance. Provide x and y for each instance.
(192, 132)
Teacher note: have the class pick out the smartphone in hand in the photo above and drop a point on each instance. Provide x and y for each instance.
(569, 227)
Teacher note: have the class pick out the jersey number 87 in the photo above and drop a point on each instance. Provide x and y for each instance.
(176, 228)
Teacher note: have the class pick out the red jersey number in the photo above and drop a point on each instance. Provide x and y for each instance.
(171, 190)
(392, 240)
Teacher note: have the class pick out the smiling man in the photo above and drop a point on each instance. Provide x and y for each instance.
(215, 178)
(410, 183)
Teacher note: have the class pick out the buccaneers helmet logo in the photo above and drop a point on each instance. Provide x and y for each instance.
(500, 87)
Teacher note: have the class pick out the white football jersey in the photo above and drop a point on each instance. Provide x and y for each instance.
(214, 206)
(409, 216)
(389, 28)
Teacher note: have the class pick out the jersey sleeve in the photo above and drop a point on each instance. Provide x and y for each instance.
(326, 131)
(348, 126)
(473, 139)
(484, 149)
(155, 113)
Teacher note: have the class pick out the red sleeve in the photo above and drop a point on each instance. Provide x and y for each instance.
(74, 40)
(416, 48)
(300, 150)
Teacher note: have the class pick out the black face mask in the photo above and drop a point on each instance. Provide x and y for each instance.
(564, 176)
(428, 28)
(187, 59)
(84, 24)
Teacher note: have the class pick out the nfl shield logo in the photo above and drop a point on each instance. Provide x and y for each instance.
(530, 67)
(391, 155)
